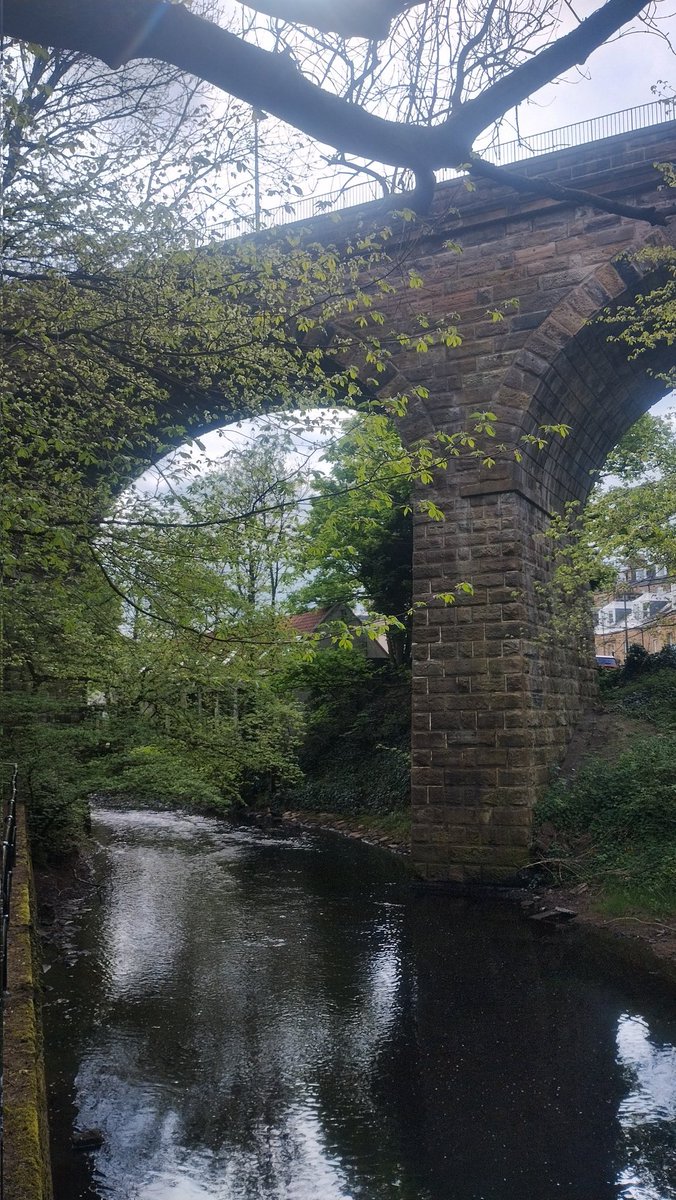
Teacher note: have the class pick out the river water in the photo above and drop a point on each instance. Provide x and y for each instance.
(256, 1016)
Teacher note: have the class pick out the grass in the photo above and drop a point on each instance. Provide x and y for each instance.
(395, 824)
(612, 822)
(633, 900)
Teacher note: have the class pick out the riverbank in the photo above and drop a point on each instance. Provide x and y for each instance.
(649, 942)
(650, 939)
(390, 831)
(26, 1166)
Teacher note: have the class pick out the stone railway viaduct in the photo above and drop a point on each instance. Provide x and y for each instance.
(496, 693)
(494, 699)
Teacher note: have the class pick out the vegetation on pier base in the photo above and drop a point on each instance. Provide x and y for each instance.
(612, 822)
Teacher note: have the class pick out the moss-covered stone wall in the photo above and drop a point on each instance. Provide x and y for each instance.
(27, 1172)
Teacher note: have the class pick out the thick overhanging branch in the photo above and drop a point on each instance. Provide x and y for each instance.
(127, 29)
(117, 33)
(348, 18)
(568, 51)
(554, 191)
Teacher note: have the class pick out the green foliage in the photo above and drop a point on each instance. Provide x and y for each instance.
(636, 661)
(359, 534)
(356, 752)
(634, 520)
(648, 325)
(120, 333)
(649, 445)
(53, 742)
(648, 694)
(615, 823)
(161, 774)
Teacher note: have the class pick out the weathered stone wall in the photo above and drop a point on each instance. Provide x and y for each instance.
(27, 1172)
(494, 700)
(495, 697)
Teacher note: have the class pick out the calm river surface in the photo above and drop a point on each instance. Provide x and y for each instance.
(254, 1016)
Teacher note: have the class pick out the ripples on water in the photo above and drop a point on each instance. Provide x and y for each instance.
(257, 1017)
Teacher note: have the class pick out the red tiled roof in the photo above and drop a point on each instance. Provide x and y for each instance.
(307, 622)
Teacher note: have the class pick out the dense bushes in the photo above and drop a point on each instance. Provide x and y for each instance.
(53, 741)
(66, 751)
(356, 753)
(613, 823)
(645, 687)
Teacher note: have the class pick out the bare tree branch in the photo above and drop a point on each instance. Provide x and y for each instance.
(546, 187)
(369, 19)
(117, 33)
(148, 29)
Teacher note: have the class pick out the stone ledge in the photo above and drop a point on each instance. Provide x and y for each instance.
(27, 1168)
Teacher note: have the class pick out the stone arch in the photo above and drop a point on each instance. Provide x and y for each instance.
(569, 371)
(494, 703)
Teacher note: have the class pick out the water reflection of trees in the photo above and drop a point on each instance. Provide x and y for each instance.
(280, 1022)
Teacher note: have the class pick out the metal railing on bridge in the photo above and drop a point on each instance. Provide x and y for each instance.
(656, 112)
(8, 783)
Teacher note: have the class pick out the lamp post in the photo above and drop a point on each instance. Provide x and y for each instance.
(258, 115)
(626, 594)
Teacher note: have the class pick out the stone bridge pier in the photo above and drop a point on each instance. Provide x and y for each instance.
(495, 694)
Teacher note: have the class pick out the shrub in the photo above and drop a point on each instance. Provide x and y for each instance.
(650, 695)
(356, 753)
(637, 660)
(53, 742)
(156, 774)
(616, 823)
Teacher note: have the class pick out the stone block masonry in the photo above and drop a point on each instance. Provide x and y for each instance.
(495, 693)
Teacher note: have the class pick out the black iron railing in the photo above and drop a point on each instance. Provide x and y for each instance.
(9, 793)
(8, 857)
(657, 112)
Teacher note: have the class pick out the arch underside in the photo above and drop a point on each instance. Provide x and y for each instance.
(593, 387)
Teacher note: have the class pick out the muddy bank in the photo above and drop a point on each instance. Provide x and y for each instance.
(648, 942)
(651, 942)
(372, 832)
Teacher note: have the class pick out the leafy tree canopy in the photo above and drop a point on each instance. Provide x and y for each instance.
(635, 520)
(359, 529)
(629, 518)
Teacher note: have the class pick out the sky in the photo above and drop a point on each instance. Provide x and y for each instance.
(619, 75)
(305, 457)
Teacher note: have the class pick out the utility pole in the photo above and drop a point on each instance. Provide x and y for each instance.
(258, 115)
(626, 594)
